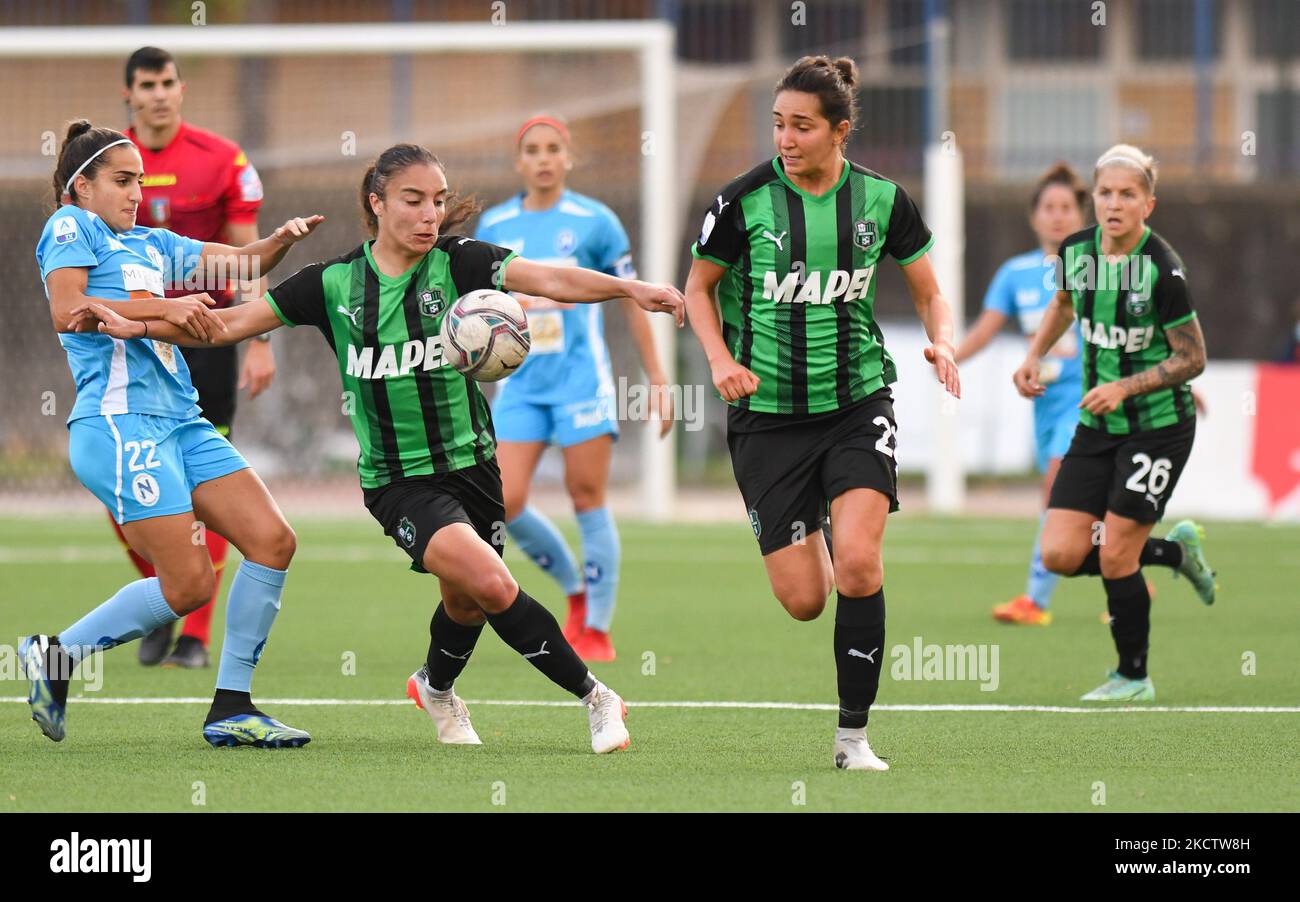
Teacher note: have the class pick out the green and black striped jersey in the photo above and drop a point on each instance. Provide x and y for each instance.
(413, 413)
(800, 285)
(1124, 308)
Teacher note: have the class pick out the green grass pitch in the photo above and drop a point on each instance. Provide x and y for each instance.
(696, 622)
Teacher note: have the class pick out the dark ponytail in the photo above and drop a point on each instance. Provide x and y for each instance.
(394, 160)
(81, 142)
(1061, 174)
(834, 81)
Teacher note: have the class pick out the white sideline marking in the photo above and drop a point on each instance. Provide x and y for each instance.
(744, 706)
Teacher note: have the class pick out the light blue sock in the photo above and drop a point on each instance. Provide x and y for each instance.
(1042, 582)
(251, 607)
(136, 610)
(542, 542)
(600, 551)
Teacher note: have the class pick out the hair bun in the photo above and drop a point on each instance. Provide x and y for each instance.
(77, 128)
(848, 70)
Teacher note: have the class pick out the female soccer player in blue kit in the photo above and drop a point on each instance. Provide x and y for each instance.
(564, 392)
(1022, 289)
(137, 441)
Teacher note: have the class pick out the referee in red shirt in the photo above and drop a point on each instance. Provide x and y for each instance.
(200, 185)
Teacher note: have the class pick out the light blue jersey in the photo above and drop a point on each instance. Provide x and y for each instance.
(115, 376)
(569, 360)
(1022, 289)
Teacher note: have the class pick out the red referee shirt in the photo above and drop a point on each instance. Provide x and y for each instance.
(197, 185)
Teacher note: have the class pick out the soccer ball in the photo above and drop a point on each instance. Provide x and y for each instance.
(485, 335)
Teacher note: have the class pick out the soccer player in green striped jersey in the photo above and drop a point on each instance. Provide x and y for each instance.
(791, 248)
(1142, 345)
(427, 465)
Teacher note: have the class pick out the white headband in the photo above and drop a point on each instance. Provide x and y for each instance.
(67, 188)
(1127, 161)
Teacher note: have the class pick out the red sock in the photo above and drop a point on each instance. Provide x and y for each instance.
(145, 568)
(198, 624)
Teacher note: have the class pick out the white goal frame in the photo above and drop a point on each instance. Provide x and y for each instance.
(652, 41)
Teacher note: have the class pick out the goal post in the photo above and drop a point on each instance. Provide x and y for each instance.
(651, 41)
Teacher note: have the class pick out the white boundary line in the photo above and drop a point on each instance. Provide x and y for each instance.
(744, 706)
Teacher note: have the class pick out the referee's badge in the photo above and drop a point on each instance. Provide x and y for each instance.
(432, 302)
(160, 210)
(864, 233)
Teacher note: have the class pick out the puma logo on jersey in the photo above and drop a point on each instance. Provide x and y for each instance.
(1130, 341)
(841, 285)
(351, 314)
(722, 205)
(775, 239)
(1177, 274)
(426, 354)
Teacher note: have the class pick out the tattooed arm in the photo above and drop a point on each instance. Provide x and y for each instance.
(1186, 362)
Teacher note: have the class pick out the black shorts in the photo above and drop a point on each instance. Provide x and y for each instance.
(789, 469)
(412, 509)
(215, 373)
(1130, 475)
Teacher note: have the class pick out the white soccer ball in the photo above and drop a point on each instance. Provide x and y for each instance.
(485, 335)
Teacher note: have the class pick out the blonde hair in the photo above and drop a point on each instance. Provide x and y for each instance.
(1133, 157)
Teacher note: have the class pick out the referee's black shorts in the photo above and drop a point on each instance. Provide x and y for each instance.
(215, 373)
(790, 468)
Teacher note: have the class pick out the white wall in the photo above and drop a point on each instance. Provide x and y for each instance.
(997, 433)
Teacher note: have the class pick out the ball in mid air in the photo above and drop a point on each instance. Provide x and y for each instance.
(485, 335)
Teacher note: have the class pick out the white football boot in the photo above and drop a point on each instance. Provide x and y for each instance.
(449, 714)
(853, 752)
(607, 712)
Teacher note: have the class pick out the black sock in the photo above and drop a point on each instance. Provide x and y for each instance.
(58, 668)
(1130, 622)
(228, 703)
(1091, 565)
(1161, 553)
(859, 653)
(529, 629)
(450, 645)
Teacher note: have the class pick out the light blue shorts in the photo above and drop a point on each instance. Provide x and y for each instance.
(140, 465)
(1056, 415)
(520, 419)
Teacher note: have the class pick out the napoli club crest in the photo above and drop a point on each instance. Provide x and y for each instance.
(432, 302)
(864, 233)
(565, 242)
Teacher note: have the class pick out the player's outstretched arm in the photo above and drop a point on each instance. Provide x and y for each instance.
(253, 261)
(935, 314)
(1056, 319)
(732, 380)
(989, 324)
(585, 286)
(240, 322)
(68, 305)
(1186, 362)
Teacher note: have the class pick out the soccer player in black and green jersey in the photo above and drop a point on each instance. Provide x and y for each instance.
(791, 248)
(1142, 344)
(427, 462)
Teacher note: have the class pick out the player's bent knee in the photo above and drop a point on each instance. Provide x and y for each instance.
(1061, 559)
(188, 592)
(801, 604)
(494, 592)
(1117, 562)
(858, 573)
